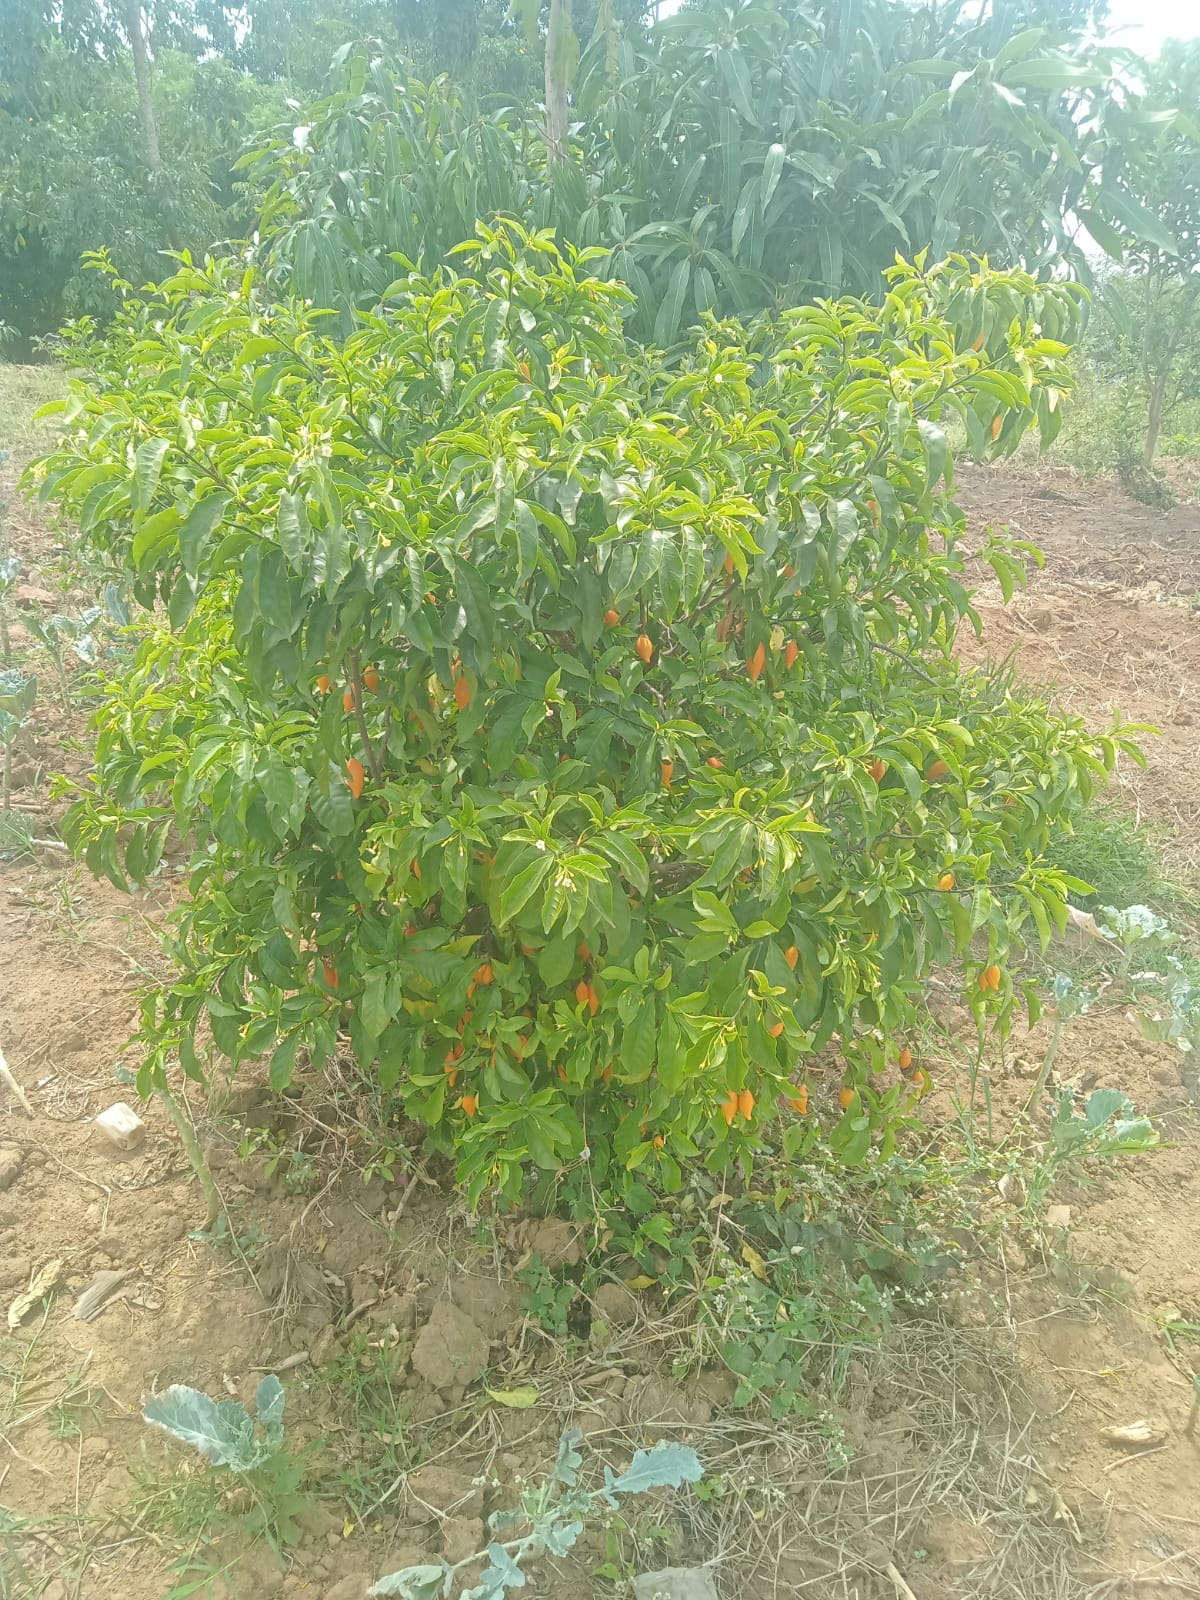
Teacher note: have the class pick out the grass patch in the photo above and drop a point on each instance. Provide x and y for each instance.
(1104, 846)
(22, 390)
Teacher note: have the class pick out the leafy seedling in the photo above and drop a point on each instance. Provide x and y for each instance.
(553, 1514)
(226, 1434)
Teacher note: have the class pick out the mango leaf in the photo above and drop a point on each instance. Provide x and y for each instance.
(519, 1399)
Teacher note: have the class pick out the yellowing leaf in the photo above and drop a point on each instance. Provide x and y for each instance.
(640, 1282)
(515, 1399)
(348, 1527)
(47, 1279)
(755, 1262)
(776, 640)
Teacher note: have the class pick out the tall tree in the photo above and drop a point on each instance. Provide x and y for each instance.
(145, 95)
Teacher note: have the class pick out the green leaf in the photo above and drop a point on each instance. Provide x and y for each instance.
(197, 528)
(147, 470)
(521, 888)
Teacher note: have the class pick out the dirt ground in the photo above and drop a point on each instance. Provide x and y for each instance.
(971, 1455)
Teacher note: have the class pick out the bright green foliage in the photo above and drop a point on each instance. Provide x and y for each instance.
(740, 156)
(583, 897)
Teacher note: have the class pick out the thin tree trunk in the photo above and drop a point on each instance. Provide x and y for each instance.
(1154, 416)
(558, 32)
(141, 71)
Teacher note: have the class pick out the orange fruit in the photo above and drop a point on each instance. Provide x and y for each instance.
(846, 1099)
(582, 990)
(775, 1030)
(470, 1104)
(715, 763)
(789, 571)
(668, 772)
(644, 647)
(936, 772)
(356, 776)
(920, 1081)
(330, 972)
(729, 566)
(790, 654)
(745, 1104)
(729, 1108)
(347, 699)
(462, 693)
(877, 770)
(791, 955)
(658, 1141)
(323, 683)
(989, 978)
(611, 618)
(946, 881)
(484, 973)
(997, 424)
(415, 868)
(755, 664)
(371, 679)
(904, 1059)
(593, 1000)
(799, 1101)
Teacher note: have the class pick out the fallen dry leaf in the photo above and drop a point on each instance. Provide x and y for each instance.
(43, 1284)
(1134, 1435)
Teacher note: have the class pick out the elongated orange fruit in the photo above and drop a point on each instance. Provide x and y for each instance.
(462, 693)
(644, 646)
(756, 663)
(745, 1104)
(729, 1108)
(668, 772)
(791, 955)
(791, 654)
(356, 776)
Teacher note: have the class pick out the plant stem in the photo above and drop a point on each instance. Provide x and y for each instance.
(195, 1155)
(1060, 1026)
(360, 718)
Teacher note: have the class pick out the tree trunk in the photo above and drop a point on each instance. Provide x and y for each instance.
(141, 71)
(558, 36)
(1154, 416)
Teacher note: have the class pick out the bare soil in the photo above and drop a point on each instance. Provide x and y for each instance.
(970, 1458)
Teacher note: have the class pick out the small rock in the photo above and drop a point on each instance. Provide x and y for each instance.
(450, 1349)
(462, 1537)
(122, 1126)
(26, 595)
(1058, 1216)
(398, 1309)
(10, 1166)
(447, 1491)
(353, 1587)
(555, 1242)
(676, 1583)
(56, 1589)
(14, 1269)
(615, 1304)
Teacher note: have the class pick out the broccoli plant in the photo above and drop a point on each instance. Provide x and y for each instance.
(553, 1515)
(250, 1447)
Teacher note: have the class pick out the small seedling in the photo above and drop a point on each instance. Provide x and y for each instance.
(554, 1514)
(17, 695)
(58, 634)
(226, 1433)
